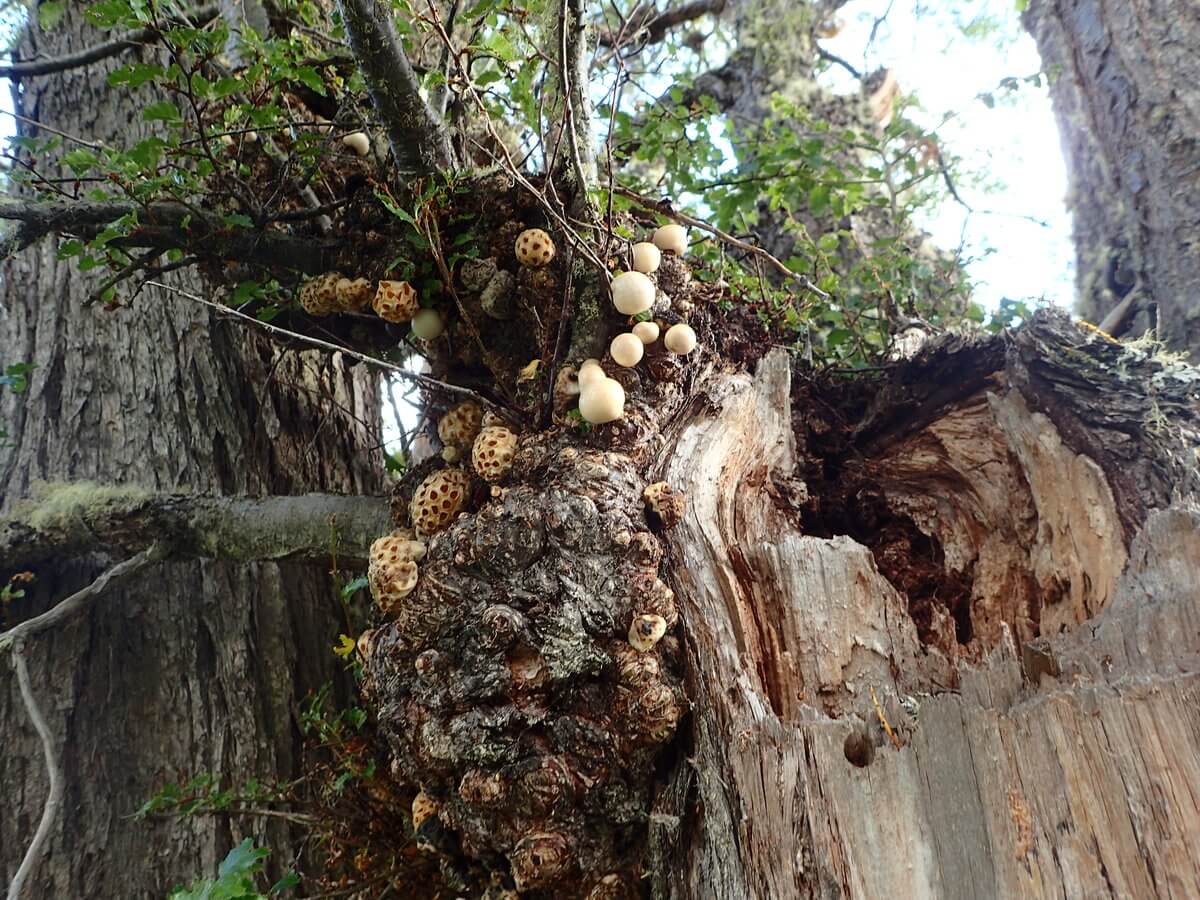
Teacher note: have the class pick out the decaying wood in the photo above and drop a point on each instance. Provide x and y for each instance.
(1049, 750)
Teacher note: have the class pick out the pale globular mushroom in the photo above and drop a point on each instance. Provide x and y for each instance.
(647, 332)
(671, 238)
(602, 401)
(590, 372)
(646, 631)
(427, 324)
(534, 248)
(626, 350)
(646, 257)
(632, 293)
(680, 339)
(358, 142)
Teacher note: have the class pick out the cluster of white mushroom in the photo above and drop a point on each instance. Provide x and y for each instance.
(601, 399)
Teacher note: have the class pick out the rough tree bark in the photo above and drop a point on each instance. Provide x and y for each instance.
(193, 666)
(1123, 79)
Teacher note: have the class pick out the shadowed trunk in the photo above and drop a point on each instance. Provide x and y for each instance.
(1124, 81)
(191, 667)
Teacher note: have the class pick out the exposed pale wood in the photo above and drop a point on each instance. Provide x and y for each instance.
(1072, 775)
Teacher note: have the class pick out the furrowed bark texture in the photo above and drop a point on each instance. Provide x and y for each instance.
(1021, 614)
(191, 666)
(1124, 83)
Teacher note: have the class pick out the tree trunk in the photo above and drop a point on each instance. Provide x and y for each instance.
(191, 667)
(1124, 81)
(922, 624)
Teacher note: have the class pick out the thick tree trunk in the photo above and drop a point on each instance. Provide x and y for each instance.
(1124, 79)
(190, 667)
(994, 693)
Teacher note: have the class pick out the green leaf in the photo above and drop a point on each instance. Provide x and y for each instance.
(311, 78)
(50, 13)
(162, 111)
(351, 587)
(345, 646)
(244, 859)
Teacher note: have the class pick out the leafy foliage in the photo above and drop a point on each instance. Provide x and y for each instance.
(237, 877)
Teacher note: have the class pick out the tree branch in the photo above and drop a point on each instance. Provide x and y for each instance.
(165, 226)
(653, 27)
(54, 799)
(85, 57)
(69, 520)
(420, 141)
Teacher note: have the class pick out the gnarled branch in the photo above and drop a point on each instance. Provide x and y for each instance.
(420, 141)
(652, 27)
(69, 520)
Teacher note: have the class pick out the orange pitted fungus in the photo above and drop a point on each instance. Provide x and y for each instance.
(428, 325)
(438, 500)
(534, 248)
(632, 293)
(680, 339)
(647, 332)
(423, 807)
(354, 294)
(395, 301)
(319, 296)
(626, 350)
(358, 142)
(646, 257)
(671, 239)
(493, 453)
(391, 583)
(646, 631)
(461, 424)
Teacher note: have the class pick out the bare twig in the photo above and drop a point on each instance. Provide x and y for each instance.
(80, 599)
(401, 372)
(651, 205)
(54, 798)
(85, 57)
(653, 27)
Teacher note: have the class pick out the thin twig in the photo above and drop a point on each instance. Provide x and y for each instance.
(423, 380)
(55, 798)
(651, 205)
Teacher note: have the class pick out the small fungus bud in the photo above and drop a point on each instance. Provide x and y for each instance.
(427, 324)
(680, 339)
(590, 372)
(534, 248)
(646, 257)
(647, 332)
(664, 503)
(632, 293)
(358, 142)
(395, 301)
(354, 294)
(626, 350)
(646, 631)
(539, 860)
(451, 454)
(364, 644)
(671, 238)
(602, 401)
(423, 807)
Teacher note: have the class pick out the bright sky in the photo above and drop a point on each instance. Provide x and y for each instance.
(1014, 144)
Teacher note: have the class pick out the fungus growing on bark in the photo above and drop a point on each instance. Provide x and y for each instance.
(459, 427)
(626, 350)
(646, 257)
(395, 301)
(354, 294)
(438, 500)
(318, 296)
(632, 293)
(680, 339)
(671, 238)
(534, 248)
(358, 142)
(539, 859)
(646, 631)
(364, 644)
(451, 455)
(423, 807)
(427, 324)
(601, 400)
(493, 453)
(591, 372)
(655, 712)
(647, 332)
(392, 583)
(664, 503)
